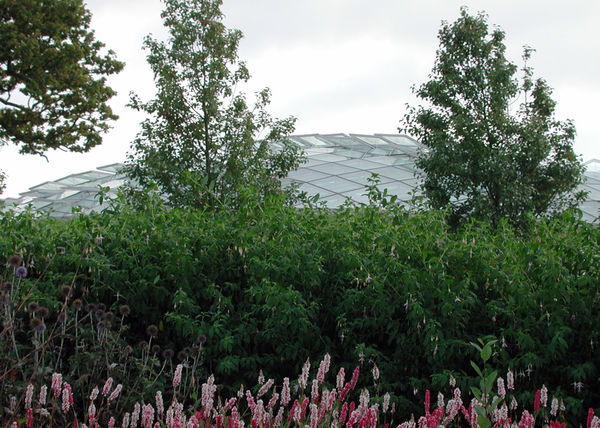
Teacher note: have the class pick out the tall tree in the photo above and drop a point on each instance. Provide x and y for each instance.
(202, 141)
(53, 92)
(493, 146)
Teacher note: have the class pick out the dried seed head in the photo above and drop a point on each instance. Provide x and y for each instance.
(62, 318)
(15, 260)
(202, 339)
(124, 310)
(7, 286)
(155, 349)
(77, 304)
(168, 354)
(182, 355)
(101, 306)
(65, 291)
(35, 324)
(152, 330)
(32, 307)
(100, 314)
(90, 307)
(109, 316)
(42, 312)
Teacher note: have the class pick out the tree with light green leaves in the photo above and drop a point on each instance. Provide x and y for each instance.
(202, 143)
(494, 148)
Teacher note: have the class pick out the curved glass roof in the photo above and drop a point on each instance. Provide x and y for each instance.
(338, 168)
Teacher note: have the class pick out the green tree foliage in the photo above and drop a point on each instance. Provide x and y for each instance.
(53, 91)
(494, 148)
(202, 142)
(269, 285)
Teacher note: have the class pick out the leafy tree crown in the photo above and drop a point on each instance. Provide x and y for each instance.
(493, 146)
(202, 142)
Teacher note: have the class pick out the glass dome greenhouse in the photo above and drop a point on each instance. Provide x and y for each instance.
(338, 168)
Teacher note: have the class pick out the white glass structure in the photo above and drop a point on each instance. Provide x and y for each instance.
(337, 169)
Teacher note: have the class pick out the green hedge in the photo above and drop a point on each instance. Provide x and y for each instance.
(270, 285)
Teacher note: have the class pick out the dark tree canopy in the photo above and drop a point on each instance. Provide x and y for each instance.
(53, 93)
(202, 142)
(493, 146)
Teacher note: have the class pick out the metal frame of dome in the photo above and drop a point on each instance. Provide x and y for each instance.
(338, 168)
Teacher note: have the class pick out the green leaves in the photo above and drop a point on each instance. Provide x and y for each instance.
(53, 92)
(484, 161)
(202, 143)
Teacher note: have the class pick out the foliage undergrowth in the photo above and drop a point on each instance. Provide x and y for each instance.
(270, 285)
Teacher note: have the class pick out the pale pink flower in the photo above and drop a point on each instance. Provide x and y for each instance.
(544, 396)
(323, 368)
(111, 422)
(107, 386)
(92, 413)
(510, 380)
(43, 412)
(554, 406)
(364, 398)
(177, 377)
(340, 379)
(125, 423)
(314, 415)
(303, 379)
(278, 418)
(513, 404)
(115, 393)
(43, 393)
(208, 392)
(440, 400)
(263, 390)
(94, 393)
(135, 416)
(230, 403)
(147, 416)
(501, 390)
(67, 397)
(452, 381)
(285, 392)
(28, 396)
(375, 373)
(56, 384)
(160, 408)
(314, 393)
(386, 402)
(273, 400)
(261, 377)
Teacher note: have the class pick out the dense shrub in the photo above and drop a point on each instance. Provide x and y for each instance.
(270, 285)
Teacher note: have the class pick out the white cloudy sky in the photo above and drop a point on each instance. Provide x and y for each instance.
(341, 65)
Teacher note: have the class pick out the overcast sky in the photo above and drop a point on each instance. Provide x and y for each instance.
(341, 65)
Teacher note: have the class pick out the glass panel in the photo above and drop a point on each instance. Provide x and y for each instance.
(333, 168)
(313, 140)
(358, 195)
(385, 160)
(360, 164)
(343, 140)
(352, 154)
(401, 140)
(306, 174)
(396, 173)
(313, 162)
(362, 177)
(397, 188)
(336, 184)
(594, 194)
(334, 201)
(328, 157)
(371, 140)
(313, 190)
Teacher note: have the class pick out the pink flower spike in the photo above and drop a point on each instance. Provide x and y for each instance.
(501, 389)
(510, 380)
(115, 393)
(56, 384)
(111, 422)
(29, 418)
(28, 396)
(427, 402)
(177, 376)
(323, 368)
(375, 373)
(340, 379)
(303, 379)
(536, 401)
(43, 393)
(285, 392)
(107, 386)
(354, 377)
